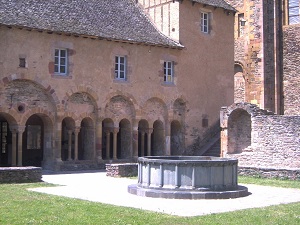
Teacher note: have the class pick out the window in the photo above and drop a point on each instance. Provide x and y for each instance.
(120, 67)
(22, 62)
(294, 14)
(168, 71)
(60, 63)
(204, 22)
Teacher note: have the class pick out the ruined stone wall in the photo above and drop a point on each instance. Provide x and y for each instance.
(274, 141)
(291, 69)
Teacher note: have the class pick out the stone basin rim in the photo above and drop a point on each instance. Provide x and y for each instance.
(183, 159)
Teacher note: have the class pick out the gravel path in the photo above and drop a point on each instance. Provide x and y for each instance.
(98, 187)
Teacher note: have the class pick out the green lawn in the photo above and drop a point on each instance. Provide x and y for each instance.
(20, 206)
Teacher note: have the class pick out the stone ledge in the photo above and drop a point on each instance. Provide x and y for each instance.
(291, 174)
(122, 170)
(20, 174)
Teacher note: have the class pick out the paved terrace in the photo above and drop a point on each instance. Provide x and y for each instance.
(97, 187)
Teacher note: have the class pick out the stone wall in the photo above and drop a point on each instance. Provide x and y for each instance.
(291, 69)
(122, 170)
(20, 174)
(274, 139)
(269, 173)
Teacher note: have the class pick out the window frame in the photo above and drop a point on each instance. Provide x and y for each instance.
(58, 65)
(169, 72)
(204, 22)
(118, 70)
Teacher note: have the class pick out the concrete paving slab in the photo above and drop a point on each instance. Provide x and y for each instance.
(97, 187)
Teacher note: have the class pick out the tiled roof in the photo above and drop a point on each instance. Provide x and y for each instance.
(120, 20)
(217, 3)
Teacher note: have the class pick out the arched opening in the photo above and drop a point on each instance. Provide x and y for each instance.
(86, 140)
(6, 141)
(124, 140)
(158, 139)
(143, 129)
(68, 138)
(33, 139)
(239, 131)
(176, 138)
(107, 138)
(239, 84)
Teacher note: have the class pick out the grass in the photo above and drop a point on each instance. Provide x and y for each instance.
(20, 206)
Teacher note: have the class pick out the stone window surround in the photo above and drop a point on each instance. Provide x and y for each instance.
(118, 70)
(168, 58)
(121, 52)
(69, 47)
(209, 20)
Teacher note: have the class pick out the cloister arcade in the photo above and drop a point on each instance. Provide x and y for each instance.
(45, 132)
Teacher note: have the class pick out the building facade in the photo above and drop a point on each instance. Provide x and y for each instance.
(85, 83)
(265, 134)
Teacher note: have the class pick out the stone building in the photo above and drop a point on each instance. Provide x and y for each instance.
(83, 83)
(267, 59)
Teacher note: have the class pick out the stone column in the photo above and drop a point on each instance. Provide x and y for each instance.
(58, 138)
(76, 131)
(168, 139)
(142, 143)
(149, 132)
(98, 139)
(70, 145)
(115, 133)
(107, 144)
(14, 146)
(135, 140)
(21, 130)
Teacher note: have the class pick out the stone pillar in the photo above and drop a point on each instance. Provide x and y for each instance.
(115, 133)
(107, 144)
(70, 145)
(14, 147)
(168, 139)
(142, 143)
(21, 130)
(135, 140)
(149, 132)
(58, 141)
(76, 131)
(98, 140)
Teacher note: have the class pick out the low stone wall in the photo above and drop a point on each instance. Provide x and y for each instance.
(20, 174)
(122, 170)
(270, 173)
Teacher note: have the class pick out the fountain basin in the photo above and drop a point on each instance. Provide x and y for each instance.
(187, 177)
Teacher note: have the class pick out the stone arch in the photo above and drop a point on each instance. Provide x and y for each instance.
(81, 103)
(26, 95)
(43, 83)
(177, 138)
(86, 139)
(124, 143)
(107, 138)
(120, 107)
(239, 83)
(158, 139)
(155, 109)
(239, 131)
(8, 125)
(82, 89)
(39, 111)
(37, 140)
(67, 137)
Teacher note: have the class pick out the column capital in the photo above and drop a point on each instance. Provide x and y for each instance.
(70, 132)
(21, 128)
(116, 130)
(13, 128)
(77, 130)
(149, 130)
